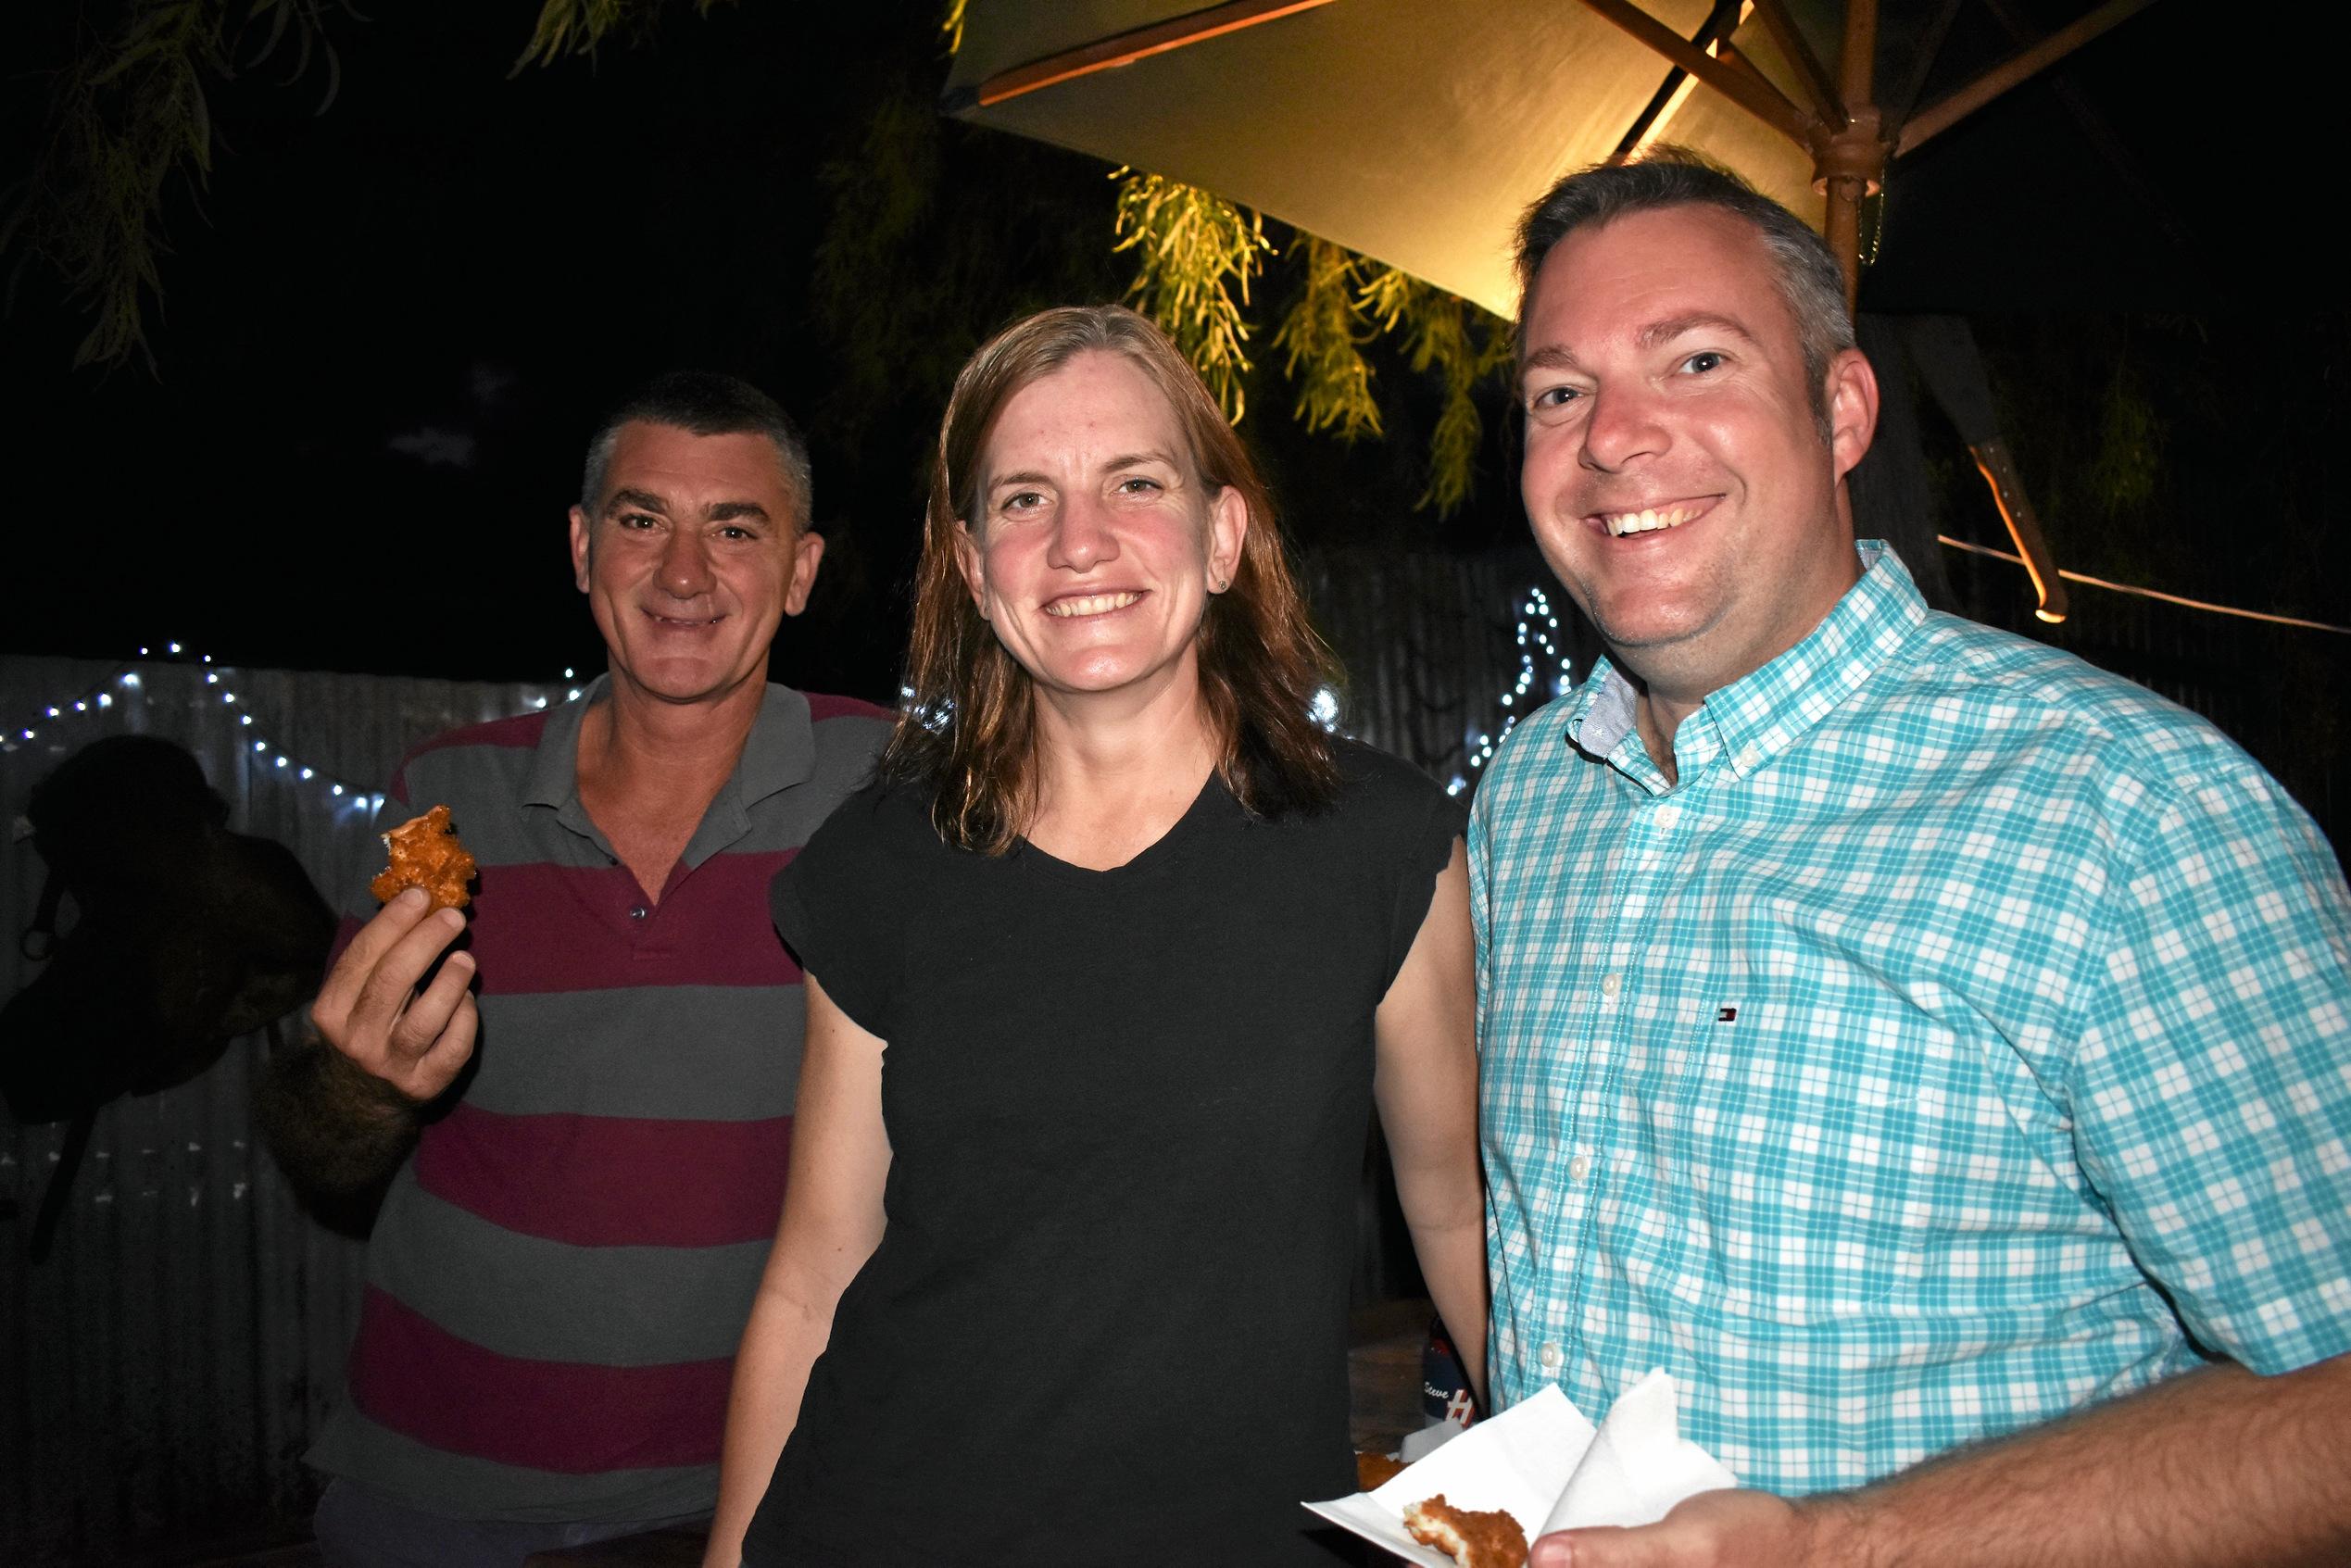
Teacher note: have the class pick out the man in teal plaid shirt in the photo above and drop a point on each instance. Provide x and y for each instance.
(1934, 1051)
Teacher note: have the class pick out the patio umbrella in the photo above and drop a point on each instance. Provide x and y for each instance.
(1416, 134)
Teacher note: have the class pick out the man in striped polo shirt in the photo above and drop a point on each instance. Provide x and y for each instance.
(585, 1109)
(1934, 1051)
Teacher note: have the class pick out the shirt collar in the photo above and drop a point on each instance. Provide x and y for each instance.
(779, 753)
(1760, 715)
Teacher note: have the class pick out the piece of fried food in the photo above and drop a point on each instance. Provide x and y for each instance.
(1473, 1540)
(1376, 1470)
(425, 853)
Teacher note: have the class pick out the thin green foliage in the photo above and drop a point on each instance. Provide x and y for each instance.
(1463, 346)
(1197, 252)
(951, 27)
(1322, 338)
(576, 27)
(130, 125)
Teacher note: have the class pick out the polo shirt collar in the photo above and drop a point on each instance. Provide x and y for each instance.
(780, 752)
(1760, 715)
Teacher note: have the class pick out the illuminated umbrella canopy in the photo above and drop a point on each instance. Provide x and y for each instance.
(1416, 133)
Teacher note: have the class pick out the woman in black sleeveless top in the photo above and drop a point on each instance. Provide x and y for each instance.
(1105, 973)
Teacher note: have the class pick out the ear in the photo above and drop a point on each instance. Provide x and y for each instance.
(967, 559)
(1228, 527)
(807, 552)
(1853, 408)
(580, 548)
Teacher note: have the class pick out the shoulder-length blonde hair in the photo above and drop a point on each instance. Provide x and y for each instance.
(968, 727)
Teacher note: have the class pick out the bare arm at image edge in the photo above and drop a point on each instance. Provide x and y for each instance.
(1426, 1085)
(832, 1223)
(2216, 1469)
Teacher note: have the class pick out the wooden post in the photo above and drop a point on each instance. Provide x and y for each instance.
(1850, 160)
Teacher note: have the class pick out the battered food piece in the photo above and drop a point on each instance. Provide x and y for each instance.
(1473, 1540)
(425, 853)
(1376, 1470)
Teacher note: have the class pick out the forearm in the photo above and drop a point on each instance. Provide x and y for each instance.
(336, 1130)
(1452, 1261)
(2216, 1468)
(781, 1343)
(1445, 1208)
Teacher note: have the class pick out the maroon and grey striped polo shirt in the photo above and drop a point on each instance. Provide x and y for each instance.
(559, 1273)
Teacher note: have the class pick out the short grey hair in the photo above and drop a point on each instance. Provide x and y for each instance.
(703, 402)
(1809, 278)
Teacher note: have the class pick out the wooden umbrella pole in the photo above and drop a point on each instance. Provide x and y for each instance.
(1850, 158)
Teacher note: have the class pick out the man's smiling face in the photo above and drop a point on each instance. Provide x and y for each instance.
(1675, 473)
(692, 560)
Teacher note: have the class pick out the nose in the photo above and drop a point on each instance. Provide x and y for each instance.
(685, 565)
(1621, 429)
(1082, 536)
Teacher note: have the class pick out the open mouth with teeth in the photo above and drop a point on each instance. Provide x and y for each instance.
(1653, 519)
(1077, 605)
(681, 622)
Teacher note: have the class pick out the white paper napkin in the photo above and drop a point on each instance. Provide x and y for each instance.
(1637, 1467)
(1547, 1467)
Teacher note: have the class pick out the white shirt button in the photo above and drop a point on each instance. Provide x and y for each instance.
(1611, 983)
(1667, 816)
(1749, 756)
(1551, 1357)
(1578, 1167)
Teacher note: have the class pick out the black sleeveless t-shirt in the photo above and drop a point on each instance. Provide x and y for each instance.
(1107, 1321)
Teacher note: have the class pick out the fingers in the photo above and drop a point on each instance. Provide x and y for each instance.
(370, 1007)
(1707, 1530)
(1599, 1548)
(434, 1033)
(390, 986)
(341, 988)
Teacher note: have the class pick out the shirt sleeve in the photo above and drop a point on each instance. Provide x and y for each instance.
(2212, 1082)
(1430, 820)
(832, 907)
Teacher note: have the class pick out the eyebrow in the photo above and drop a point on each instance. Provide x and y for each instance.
(1133, 460)
(638, 500)
(1551, 357)
(1657, 332)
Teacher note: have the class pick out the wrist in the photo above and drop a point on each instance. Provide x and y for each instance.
(362, 1094)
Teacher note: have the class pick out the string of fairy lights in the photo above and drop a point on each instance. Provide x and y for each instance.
(123, 685)
(1538, 628)
(1537, 624)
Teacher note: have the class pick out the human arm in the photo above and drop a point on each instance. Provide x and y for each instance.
(832, 1223)
(340, 1108)
(2216, 1468)
(1426, 1085)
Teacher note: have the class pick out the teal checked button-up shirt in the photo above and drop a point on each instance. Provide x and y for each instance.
(1965, 1036)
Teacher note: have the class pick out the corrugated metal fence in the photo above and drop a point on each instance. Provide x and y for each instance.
(162, 1372)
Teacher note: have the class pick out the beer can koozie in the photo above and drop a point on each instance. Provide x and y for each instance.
(1444, 1386)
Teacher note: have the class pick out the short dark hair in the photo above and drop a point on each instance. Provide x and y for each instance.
(703, 402)
(1809, 278)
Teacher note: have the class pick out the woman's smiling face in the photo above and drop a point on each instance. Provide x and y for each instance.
(1096, 544)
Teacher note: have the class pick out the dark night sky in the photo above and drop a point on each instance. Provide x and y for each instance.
(386, 333)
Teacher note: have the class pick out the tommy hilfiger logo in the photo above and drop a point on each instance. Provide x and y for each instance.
(1726, 1015)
